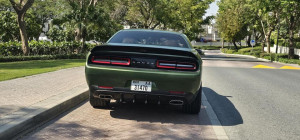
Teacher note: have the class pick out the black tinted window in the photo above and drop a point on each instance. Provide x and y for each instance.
(149, 38)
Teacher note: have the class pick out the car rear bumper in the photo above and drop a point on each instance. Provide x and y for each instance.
(163, 81)
(127, 95)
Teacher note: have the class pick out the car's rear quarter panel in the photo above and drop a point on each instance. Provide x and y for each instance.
(166, 80)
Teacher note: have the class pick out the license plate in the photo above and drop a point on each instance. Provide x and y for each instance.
(141, 86)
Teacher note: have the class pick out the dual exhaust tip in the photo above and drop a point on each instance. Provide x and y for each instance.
(172, 102)
(105, 97)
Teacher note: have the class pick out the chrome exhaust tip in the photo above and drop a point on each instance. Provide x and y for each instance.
(106, 97)
(176, 102)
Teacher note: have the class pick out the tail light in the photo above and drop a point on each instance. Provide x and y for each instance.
(186, 66)
(166, 64)
(176, 65)
(112, 61)
(120, 61)
(101, 60)
(105, 87)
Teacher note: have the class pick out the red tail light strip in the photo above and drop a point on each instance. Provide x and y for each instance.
(166, 64)
(120, 61)
(175, 65)
(186, 66)
(101, 60)
(105, 87)
(112, 61)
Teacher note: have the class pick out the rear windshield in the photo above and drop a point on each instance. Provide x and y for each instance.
(149, 38)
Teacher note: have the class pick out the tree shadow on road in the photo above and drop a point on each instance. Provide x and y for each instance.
(226, 112)
(158, 114)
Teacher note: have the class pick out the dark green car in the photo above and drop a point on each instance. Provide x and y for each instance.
(149, 66)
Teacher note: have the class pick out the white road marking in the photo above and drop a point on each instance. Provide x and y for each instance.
(218, 128)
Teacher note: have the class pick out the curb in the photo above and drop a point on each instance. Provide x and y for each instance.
(217, 126)
(21, 122)
(266, 60)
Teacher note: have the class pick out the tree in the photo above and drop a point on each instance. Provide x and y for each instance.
(233, 20)
(146, 13)
(21, 9)
(186, 16)
(9, 27)
(41, 12)
(267, 13)
(85, 20)
(291, 13)
(179, 15)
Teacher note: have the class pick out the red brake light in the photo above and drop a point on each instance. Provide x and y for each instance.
(100, 60)
(120, 61)
(105, 87)
(186, 66)
(166, 64)
(109, 60)
(176, 65)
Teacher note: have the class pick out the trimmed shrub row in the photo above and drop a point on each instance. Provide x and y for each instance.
(257, 53)
(285, 42)
(41, 57)
(43, 48)
(225, 50)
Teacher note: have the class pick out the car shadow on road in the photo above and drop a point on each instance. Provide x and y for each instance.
(225, 110)
(157, 113)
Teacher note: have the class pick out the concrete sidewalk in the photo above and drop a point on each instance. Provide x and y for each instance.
(26, 102)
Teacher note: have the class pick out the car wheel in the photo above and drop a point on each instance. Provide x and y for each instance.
(98, 103)
(195, 106)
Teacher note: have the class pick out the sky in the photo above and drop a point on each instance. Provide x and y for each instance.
(212, 10)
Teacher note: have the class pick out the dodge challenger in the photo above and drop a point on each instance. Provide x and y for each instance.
(148, 66)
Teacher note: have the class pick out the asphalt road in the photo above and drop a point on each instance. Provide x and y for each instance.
(253, 103)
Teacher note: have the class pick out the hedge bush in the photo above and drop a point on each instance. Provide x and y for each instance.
(224, 50)
(41, 57)
(255, 53)
(230, 51)
(281, 42)
(43, 48)
(285, 42)
(290, 61)
(248, 50)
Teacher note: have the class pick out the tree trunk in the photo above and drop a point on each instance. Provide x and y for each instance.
(291, 44)
(268, 36)
(235, 46)
(21, 9)
(78, 34)
(23, 33)
(249, 40)
(263, 45)
(291, 36)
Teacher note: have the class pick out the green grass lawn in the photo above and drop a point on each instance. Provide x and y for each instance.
(11, 70)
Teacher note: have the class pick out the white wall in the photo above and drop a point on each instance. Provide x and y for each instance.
(282, 50)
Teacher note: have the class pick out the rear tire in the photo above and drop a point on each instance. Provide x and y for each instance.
(195, 106)
(98, 103)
